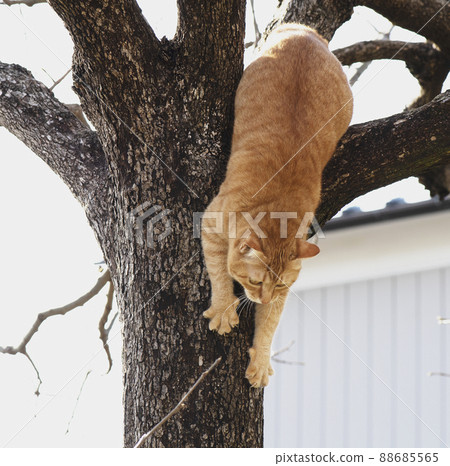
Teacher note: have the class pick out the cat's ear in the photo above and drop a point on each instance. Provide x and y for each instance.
(305, 249)
(252, 242)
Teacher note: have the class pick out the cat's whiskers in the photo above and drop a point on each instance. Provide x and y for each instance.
(247, 303)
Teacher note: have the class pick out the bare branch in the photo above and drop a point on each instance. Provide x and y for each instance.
(282, 361)
(22, 347)
(374, 154)
(363, 67)
(104, 332)
(178, 407)
(441, 374)
(32, 113)
(425, 62)
(38, 375)
(413, 53)
(58, 81)
(443, 320)
(358, 73)
(289, 363)
(283, 350)
(22, 2)
(115, 49)
(326, 16)
(255, 24)
(60, 311)
(426, 17)
(428, 65)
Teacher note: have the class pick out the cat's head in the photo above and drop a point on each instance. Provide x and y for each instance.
(266, 269)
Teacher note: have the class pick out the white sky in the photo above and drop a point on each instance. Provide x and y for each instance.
(48, 252)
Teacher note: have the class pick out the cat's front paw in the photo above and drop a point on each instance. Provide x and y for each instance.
(223, 317)
(259, 369)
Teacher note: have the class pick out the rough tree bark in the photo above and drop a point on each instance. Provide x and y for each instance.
(163, 114)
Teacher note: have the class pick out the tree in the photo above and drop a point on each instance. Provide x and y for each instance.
(163, 115)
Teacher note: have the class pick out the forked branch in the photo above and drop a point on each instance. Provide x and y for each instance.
(426, 17)
(22, 347)
(426, 63)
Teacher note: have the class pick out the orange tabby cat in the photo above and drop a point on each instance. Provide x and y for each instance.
(292, 106)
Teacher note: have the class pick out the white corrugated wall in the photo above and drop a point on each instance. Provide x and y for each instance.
(368, 347)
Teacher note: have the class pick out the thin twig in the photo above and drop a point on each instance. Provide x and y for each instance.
(283, 350)
(55, 83)
(442, 374)
(255, 24)
(38, 375)
(104, 332)
(77, 400)
(385, 36)
(443, 320)
(283, 361)
(290, 363)
(178, 407)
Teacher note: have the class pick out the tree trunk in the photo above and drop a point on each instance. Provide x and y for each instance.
(166, 136)
(163, 113)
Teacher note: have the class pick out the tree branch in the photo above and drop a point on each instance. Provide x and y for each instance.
(326, 16)
(22, 2)
(60, 311)
(255, 23)
(178, 407)
(32, 113)
(374, 154)
(204, 27)
(274, 356)
(116, 58)
(429, 66)
(59, 80)
(425, 62)
(104, 332)
(417, 55)
(203, 24)
(22, 347)
(430, 18)
(358, 73)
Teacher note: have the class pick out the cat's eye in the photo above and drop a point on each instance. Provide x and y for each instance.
(280, 285)
(254, 282)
